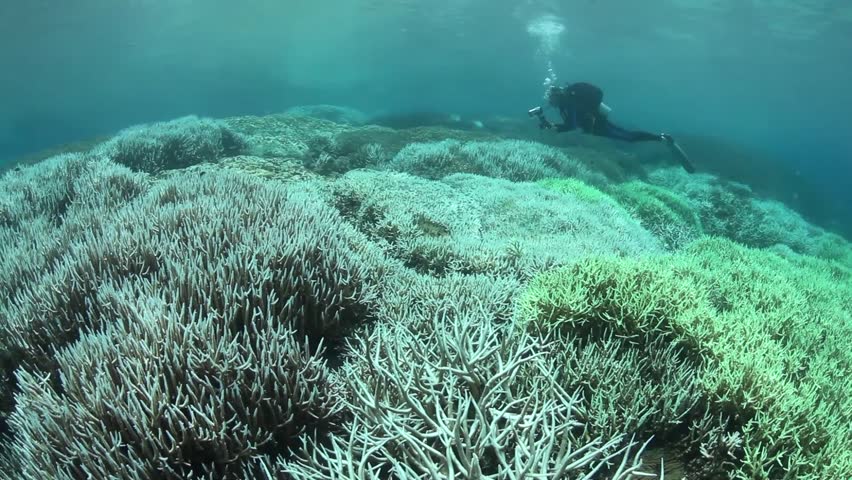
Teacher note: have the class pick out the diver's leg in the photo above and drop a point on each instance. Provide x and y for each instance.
(610, 130)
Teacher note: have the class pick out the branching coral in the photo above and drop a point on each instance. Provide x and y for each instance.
(166, 396)
(732, 210)
(508, 159)
(191, 324)
(175, 144)
(241, 271)
(661, 211)
(460, 399)
(768, 330)
(474, 224)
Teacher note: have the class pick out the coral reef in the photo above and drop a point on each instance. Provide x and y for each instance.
(665, 213)
(175, 144)
(766, 333)
(303, 296)
(508, 159)
(473, 224)
(197, 281)
(333, 113)
(731, 210)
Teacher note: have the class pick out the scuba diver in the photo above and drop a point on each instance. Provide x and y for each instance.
(581, 106)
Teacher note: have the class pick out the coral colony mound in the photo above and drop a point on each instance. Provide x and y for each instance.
(312, 296)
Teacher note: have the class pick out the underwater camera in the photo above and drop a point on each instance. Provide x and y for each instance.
(537, 112)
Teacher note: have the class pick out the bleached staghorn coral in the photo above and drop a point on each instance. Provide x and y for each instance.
(50, 205)
(648, 387)
(417, 297)
(733, 210)
(515, 160)
(668, 215)
(178, 143)
(220, 248)
(568, 224)
(45, 206)
(461, 398)
(43, 189)
(399, 212)
(168, 392)
(211, 241)
(473, 224)
(53, 187)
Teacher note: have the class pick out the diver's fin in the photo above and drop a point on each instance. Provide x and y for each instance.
(682, 157)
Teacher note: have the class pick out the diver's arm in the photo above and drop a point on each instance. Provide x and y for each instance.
(559, 127)
(543, 122)
(569, 121)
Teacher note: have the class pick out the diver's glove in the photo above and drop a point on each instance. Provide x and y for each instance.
(667, 139)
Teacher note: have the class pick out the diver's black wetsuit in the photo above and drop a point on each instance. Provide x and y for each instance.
(579, 107)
